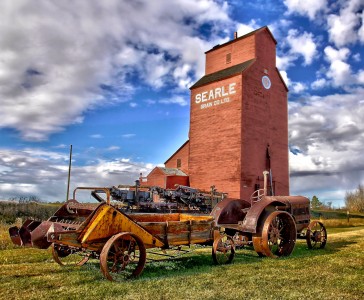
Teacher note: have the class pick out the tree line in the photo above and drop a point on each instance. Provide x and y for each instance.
(10, 211)
(354, 201)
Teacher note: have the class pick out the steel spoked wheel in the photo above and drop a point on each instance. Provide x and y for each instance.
(279, 234)
(122, 257)
(223, 250)
(316, 235)
(66, 256)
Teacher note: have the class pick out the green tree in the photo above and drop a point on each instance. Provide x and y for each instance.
(316, 203)
(354, 201)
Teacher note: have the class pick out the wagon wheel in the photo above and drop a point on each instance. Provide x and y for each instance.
(66, 256)
(223, 250)
(316, 235)
(123, 256)
(278, 234)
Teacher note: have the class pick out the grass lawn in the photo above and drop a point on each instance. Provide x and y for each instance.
(336, 272)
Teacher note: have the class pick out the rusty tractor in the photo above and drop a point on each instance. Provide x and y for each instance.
(119, 236)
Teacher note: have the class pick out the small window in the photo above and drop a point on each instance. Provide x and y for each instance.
(179, 163)
(228, 58)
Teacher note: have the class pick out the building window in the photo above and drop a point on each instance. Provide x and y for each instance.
(228, 58)
(179, 163)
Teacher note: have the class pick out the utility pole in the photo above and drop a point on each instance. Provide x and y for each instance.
(69, 174)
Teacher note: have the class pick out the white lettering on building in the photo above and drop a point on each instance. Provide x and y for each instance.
(215, 94)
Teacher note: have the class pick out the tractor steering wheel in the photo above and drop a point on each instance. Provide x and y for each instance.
(257, 195)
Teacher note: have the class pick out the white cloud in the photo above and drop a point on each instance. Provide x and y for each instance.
(360, 77)
(128, 135)
(302, 44)
(180, 100)
(332, 54)
(285, 61)
(308, 8)
(339, 71)
(49, 173)
(361, 29)
(285, 77)
(59, 61)
(113, 148)
(243, 29)
(319, 83)
(298, 87)
(96, 136)
(133, 104)
(344, 28)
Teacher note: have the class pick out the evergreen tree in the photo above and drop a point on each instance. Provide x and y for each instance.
(316, 203)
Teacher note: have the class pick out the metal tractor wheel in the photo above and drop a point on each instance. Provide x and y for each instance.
(223, 250)
(65, 256)
(316, 235)
(123, 256)
(278, 235)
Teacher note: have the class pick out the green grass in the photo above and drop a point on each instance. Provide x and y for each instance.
(335, 272)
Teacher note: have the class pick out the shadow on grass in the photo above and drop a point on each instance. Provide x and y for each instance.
(301, 249)
(195, 262)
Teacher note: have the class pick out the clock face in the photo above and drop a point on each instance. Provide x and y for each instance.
(266, 82)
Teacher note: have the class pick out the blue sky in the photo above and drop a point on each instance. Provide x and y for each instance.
(112, 78)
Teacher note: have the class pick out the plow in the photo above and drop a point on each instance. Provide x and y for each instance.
(120, 235)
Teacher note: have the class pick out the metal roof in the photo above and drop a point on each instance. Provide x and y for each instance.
(243, 37)
(172, 171)
(228, 72)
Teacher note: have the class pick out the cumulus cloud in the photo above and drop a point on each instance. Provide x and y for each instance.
(319, 83)
(285, 61)
(243, 29)
(339, 71)
(64, 58)
(326, 141)
(302, 44)
(297, 87)
(308, 8)
(49, 173)
(347, 27)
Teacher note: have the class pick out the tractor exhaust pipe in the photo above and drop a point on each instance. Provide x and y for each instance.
(265, 175)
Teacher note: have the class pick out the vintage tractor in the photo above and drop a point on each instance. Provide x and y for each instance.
(270, 223)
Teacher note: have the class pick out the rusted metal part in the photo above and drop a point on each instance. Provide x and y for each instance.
(124, 255)
(223, 250)
(258, 245)
(316, 235)
(241, 240)
(105, 190)
(278, 235)
(64, 255)
(230, 211)
(14, 235)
